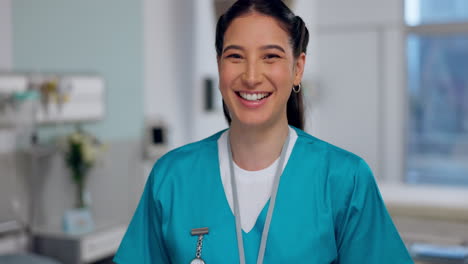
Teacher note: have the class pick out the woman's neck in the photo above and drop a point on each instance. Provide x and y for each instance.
(256, 148)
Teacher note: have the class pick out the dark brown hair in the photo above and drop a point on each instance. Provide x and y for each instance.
(298, 35)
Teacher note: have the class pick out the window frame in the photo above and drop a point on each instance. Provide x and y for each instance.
(417, 200)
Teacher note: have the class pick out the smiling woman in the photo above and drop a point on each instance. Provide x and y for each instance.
(263, 191)
(257, 69)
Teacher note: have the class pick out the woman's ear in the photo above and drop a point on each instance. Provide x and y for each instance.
(299, 65)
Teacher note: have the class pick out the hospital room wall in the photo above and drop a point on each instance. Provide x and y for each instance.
(360, 101)
(5, 32)
(103, 37)
(169, 66)
(7, 180)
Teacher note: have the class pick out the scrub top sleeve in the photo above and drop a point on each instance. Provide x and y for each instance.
(367, 233)
(143, 242)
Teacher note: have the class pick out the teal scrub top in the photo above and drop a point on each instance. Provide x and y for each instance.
(328, 210)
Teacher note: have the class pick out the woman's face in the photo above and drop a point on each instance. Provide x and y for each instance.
(257, 70)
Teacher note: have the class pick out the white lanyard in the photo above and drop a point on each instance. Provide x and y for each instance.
(274, 191)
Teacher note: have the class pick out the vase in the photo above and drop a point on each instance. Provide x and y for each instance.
(78, 221)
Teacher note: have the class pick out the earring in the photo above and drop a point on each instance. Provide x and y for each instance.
(297, 88)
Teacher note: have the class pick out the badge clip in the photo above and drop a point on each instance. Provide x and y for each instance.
(200, 232)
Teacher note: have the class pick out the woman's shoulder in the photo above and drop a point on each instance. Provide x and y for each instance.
(345, 173)
(328, 152)
(182, 160)
(342, 169)
(187, 152)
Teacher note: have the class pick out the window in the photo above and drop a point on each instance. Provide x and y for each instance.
(419, 12)
(437, 88)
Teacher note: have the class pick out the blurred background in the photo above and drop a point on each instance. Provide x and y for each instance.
(386, 79)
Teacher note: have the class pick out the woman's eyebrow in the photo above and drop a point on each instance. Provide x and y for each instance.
(266, 47)
(272, 46)
(236, 47)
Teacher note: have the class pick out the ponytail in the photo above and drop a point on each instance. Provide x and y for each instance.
(295, 105)
(295, 110)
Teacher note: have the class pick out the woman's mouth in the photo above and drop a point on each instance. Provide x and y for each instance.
(253, 96)
(253, 100)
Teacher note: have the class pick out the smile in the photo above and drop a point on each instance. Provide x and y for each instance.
(253, 96)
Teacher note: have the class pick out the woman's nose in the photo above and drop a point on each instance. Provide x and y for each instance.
(252, 76)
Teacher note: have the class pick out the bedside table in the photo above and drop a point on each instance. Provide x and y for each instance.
(79, 249)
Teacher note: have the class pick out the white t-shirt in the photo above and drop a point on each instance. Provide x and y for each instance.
(254, 187)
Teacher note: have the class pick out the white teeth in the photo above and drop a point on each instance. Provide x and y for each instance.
(254, 96)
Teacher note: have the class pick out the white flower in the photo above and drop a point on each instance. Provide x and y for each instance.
(89, 153)
(77, 138)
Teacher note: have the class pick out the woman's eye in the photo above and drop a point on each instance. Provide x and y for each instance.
(271, 56)
(234, 56)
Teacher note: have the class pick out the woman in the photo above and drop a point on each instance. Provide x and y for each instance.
(262, 191)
